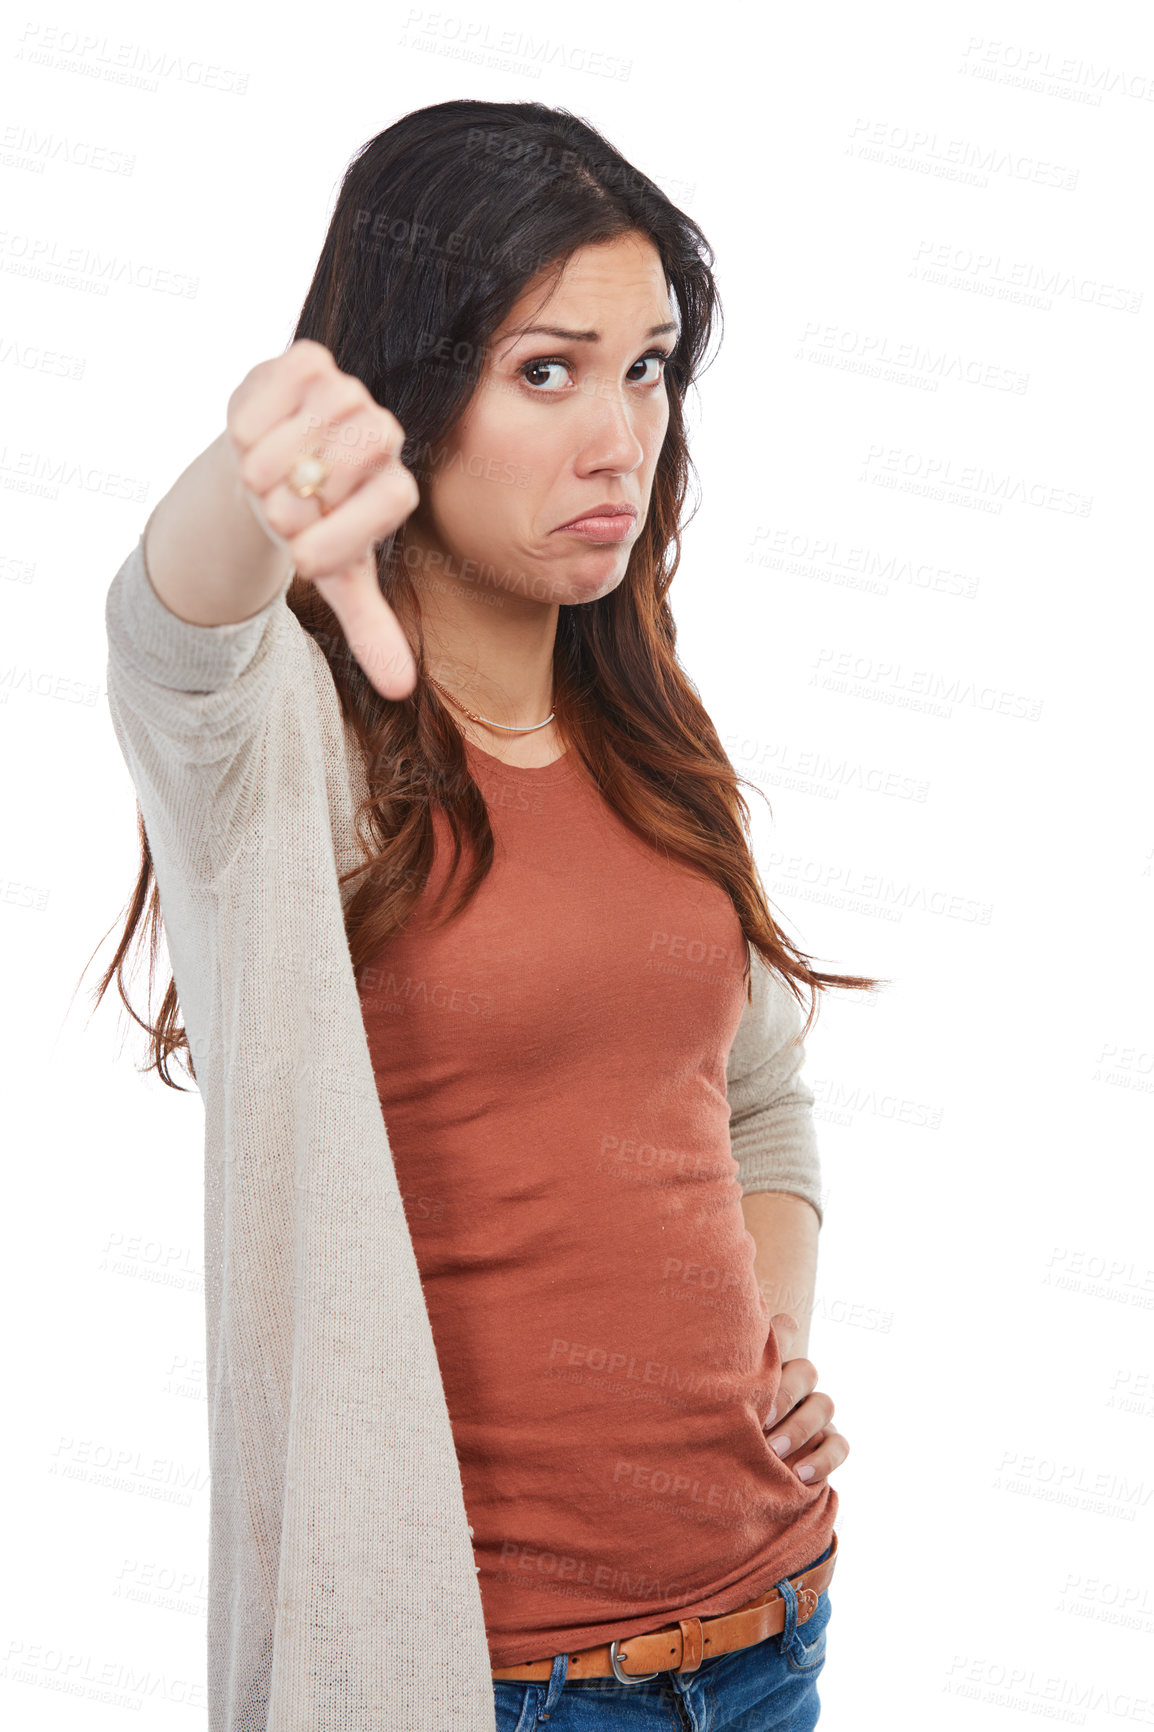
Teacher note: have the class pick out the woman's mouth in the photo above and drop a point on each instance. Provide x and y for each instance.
(608, 524)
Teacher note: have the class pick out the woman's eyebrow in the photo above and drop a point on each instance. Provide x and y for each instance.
(582, 336)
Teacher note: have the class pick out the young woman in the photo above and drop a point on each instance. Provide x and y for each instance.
(446, 843)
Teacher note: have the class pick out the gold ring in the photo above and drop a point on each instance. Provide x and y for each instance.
(307, 476)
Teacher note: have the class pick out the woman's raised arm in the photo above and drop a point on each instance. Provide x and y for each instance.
(202, 648)
(228, 534)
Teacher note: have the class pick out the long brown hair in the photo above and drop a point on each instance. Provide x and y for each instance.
(441, 222)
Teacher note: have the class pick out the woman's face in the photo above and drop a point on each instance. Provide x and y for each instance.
(561, 421)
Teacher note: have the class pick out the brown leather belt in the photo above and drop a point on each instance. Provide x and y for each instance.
(682, 1646)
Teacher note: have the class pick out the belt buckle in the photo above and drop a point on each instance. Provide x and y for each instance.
(627, 1677)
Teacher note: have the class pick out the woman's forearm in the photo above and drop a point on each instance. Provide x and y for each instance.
(785, 1231)
(207, 557)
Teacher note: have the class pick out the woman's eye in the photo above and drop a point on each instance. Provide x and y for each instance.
(657, 360)
(540, 367)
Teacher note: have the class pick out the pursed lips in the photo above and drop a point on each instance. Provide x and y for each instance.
(617, 515)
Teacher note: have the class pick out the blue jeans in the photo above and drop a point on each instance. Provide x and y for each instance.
(769, 1687)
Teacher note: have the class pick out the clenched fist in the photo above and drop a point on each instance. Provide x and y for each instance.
(300, 406)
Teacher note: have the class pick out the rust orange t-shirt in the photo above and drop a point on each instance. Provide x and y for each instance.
(551, 1066)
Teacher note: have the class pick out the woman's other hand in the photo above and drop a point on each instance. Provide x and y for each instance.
(799, 1427)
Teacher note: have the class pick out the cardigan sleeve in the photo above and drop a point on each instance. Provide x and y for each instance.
(771, 1126)
(189, 706)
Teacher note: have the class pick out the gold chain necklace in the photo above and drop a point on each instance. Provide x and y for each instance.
(484, 719)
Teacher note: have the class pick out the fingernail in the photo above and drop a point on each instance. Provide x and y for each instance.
(780, 1443)
(805, 1472)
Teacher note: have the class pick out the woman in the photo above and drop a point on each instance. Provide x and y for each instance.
(446, 842)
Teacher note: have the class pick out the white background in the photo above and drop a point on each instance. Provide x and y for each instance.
(936, 671)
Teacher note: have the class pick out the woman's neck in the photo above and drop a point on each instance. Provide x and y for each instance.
(491, 649)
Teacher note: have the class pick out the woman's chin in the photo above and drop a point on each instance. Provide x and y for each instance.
(589, 579)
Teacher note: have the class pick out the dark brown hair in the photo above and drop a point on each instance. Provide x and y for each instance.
(441, 223)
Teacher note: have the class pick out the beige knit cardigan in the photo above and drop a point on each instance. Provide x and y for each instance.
(343, 1592)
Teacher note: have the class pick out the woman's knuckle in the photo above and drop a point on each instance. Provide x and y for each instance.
(247, 471)
(274, 512)
(401, 489)
(380, 443)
